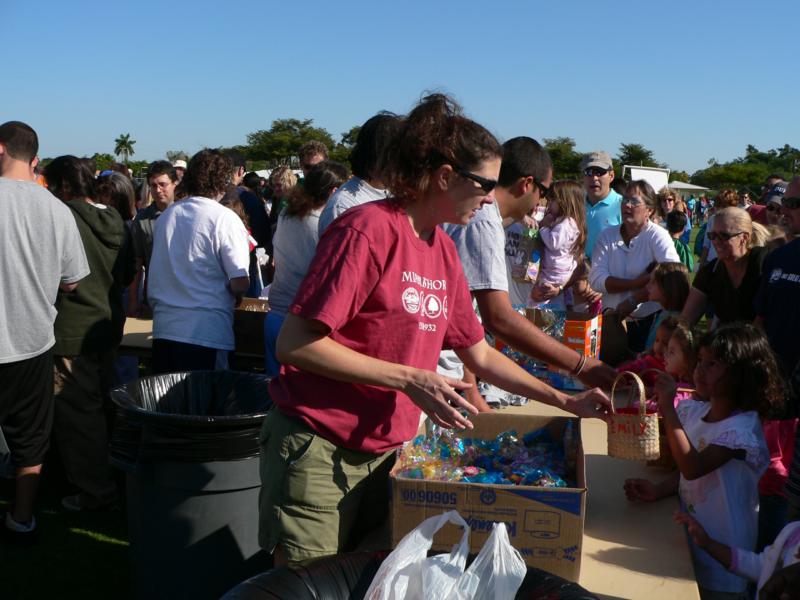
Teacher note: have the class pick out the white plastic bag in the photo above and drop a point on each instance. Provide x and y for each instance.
(408, 572)
(497, 571)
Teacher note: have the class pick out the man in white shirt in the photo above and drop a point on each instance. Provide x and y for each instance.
(198, 271)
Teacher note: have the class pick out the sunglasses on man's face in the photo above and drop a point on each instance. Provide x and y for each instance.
(544, 191)
(773, 207)
(791, 203)
(723, 236)
(487, 185)
(595, 171)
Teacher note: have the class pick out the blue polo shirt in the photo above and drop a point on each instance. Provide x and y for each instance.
(603, 214)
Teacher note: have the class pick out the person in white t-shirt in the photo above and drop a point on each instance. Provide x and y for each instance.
(198, 271)
(623, 257)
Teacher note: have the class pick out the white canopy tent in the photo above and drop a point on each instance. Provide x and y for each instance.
(681, 186)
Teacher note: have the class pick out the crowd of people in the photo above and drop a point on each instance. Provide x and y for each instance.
(371, 271)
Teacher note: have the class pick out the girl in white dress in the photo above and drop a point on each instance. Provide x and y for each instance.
(719, 447)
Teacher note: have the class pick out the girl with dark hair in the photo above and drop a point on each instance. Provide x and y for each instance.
(117, 191)
(88, 329)
(359, 347)
(294, 244)
(719, 446)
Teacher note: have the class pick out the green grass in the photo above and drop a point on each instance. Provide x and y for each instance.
(78, 555)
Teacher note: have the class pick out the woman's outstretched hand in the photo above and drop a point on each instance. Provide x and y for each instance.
(438, 398)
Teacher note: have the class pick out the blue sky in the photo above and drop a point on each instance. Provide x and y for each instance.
(689, 80)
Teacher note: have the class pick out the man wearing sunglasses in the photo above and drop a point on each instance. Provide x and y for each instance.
(526, 175)
(602, 203)
(776, 312)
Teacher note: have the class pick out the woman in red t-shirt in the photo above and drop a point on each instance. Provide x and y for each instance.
(383, 295)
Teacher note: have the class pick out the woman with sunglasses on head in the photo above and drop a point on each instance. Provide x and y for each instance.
(729, 282)
(383, 295)
(623, 258)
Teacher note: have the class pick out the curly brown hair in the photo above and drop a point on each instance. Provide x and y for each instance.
(726, 198)
(435, 133)
(752, 379)
(208, 174)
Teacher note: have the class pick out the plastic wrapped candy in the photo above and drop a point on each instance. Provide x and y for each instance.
(536, 459)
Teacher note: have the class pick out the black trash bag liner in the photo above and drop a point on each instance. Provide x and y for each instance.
(198, 417)
(348, 577)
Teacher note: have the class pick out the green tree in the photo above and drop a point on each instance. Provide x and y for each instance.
(102, 161)
(566, 160)
(349, 137)
(173, 155)
(679, 176)
(123, 146)
(279, 144)
(637, 155)
(341, 152)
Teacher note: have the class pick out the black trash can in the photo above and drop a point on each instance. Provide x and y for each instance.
(189, 445)
(348, 577)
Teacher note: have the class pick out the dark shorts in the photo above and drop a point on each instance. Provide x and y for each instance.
(26, 408)
(176, 357)
(316, 498)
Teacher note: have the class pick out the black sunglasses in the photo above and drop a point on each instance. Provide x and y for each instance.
(722, 235)
(544, 191)
(487, 185)
(595, 171)
(791, 202)
(773, 207)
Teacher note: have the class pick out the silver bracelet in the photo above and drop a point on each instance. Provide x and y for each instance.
(581, 364)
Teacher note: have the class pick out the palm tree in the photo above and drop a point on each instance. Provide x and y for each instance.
(124, 146)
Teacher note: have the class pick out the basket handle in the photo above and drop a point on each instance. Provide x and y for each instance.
(639, 385)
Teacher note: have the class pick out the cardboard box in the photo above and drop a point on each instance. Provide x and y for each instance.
(582, 333)
(248, 326)
(544, 524)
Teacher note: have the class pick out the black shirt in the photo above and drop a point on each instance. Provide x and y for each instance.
(730, 303)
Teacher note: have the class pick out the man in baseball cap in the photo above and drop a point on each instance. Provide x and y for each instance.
(180, 168)
(602, 203)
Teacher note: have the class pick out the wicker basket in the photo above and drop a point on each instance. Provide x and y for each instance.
(632, 435)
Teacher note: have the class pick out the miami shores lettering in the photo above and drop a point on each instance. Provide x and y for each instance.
(425, 297)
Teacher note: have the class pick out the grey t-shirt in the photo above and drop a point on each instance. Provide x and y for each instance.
(142, 233)
(41, 248)
(354, 192)
(481, 247)
(294, 245)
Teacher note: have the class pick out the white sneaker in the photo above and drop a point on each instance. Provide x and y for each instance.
(12, 525)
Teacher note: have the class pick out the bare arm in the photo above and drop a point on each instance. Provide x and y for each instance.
(695, 306)
(498, 369)
(615, 285)
(68, 287)
(472, 394)
(133, 290)
(239, 285)
(691, 463)
(522, 335)
(305, 344)
(721, 552)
